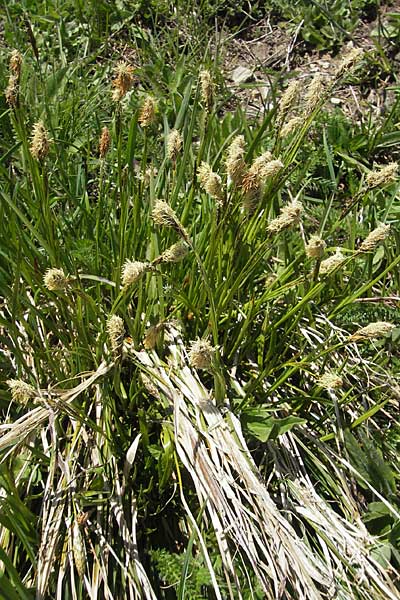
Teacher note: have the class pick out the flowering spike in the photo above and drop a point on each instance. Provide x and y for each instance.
(55, 280)
(40, 144)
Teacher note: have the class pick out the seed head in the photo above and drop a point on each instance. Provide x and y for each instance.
(314, 93)
(288, 98)
(16, 63)
(291, 126)
(132, 271)
(382, 176)
(150, 386)
(174, 254)
(374, 238)
(211, 182)
(235, 163)
(332, 263)
(55, 280)
(123, 80)
(12, 91)
(116, 332)
(352, 58)
(162, 214)
(40, 144)
(201, 354)
(174, 144)
(330, 381)
(21, 391)
(207, 89)
(78, 549)
(263, 167)
(290, 215)
(373, 330)
(147, 114)
(104, 142)
(315, 247)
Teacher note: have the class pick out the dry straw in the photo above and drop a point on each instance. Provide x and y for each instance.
(153, 335)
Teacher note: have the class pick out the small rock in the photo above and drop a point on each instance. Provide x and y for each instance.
(336, 100)
(241, 75)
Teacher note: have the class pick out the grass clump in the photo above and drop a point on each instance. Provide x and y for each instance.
(199, 333)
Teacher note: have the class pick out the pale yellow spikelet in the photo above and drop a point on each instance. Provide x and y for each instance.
(40, 143)
(12, 91)
(163, 215)
(330, 381)
(147, 115)
(371, 331)
(104, 142)
(314, 93)
(206, 89)
(292, 125)
(123, 80)
(174, 144)
(78, 549)
(289, 216)
(235, 163)
(132, 271)
(16, 63)
(116, 332)
(351, 58)
(201, 354)
(382, 176)
(332, 263)
(288, 98)
(55, 280)
(21, 391)
(262, 168)
(173, 254)
(374, 238)
(211, 182)
(315, 247)
(147, 175)
(149, 386)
